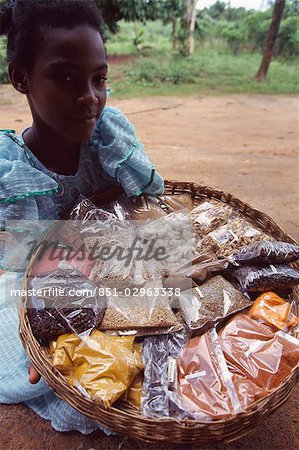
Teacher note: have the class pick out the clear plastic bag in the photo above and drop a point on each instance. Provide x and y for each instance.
(135, 308)
(68, 231)
(268, 278)
(177, 202)
(143, 208)
(174, 237)
(61, 257)
(202, 266)
(109, 239)
(226, 239)
(274, 311)
(82, 208)
(267, 252)
(114, 274)
(147, 209)
(265, 357)
(102, 228)
(132, 396)
(101, 367)
(205, 389)
(209, 215)
(63, 301)
(248, 392)
(160, 372)
(214, 300)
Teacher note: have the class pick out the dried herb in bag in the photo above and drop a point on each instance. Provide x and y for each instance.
(268, 278)
(138, 308)
(63, 301)
(159, 355)
(204, 305)
(266, 252)
(228, 238)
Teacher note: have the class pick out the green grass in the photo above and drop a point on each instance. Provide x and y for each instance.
(204, 73)
(154, 35)
(211, 70)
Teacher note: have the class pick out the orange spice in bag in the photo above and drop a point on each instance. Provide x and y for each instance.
(265, 357)
(273, 310)
(201, 387)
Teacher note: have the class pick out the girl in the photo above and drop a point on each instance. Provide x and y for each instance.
(56, 57)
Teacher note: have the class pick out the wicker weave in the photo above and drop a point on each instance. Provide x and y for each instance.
(127, 421)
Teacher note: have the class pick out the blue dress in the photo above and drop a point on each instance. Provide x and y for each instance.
(28, 190)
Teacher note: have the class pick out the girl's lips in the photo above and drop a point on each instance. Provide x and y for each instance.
(87, 117)
(90, 119)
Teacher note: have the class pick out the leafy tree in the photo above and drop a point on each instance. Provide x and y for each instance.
(129, 10)
(257, 26)
(272, 35)
(172, 11)
(234, 34)
(291, 8)
(288, 38)
(217, 10)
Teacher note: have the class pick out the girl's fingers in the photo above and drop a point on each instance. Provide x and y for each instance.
(34, 376)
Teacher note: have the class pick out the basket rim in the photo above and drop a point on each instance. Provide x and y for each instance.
(39, 356)
(193, 422)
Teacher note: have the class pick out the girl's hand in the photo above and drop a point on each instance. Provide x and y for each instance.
(34, 376)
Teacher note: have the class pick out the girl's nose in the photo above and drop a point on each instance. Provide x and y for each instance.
(88, 98)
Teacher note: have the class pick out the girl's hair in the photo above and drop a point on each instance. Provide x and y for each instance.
(22, 21)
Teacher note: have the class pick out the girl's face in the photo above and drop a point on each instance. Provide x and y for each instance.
(66, 89)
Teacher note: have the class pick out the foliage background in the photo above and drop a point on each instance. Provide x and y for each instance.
(228, 42)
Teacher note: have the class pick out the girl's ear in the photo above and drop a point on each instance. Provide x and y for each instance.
(18, 78)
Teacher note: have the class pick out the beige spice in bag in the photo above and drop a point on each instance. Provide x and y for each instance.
(204, 305)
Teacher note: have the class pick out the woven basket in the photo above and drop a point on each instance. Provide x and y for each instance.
(127, 421)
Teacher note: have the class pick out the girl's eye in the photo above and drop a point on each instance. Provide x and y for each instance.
(64, 78)
(100, 79)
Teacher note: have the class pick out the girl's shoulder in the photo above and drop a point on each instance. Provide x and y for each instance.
(113, 122)
(122, 155)
(113, 113)
(11, 147)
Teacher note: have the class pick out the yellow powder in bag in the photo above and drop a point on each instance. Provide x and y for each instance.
(133, 394)
(62, 351)
(103, 365)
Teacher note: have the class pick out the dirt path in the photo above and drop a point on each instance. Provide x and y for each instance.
(247, 145)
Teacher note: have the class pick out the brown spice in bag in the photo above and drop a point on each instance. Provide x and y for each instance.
(211, 301)
(228, 238)
(134, 312)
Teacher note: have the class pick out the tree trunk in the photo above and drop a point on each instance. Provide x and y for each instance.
(174, 34)
(190, 25)
(270, 42)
